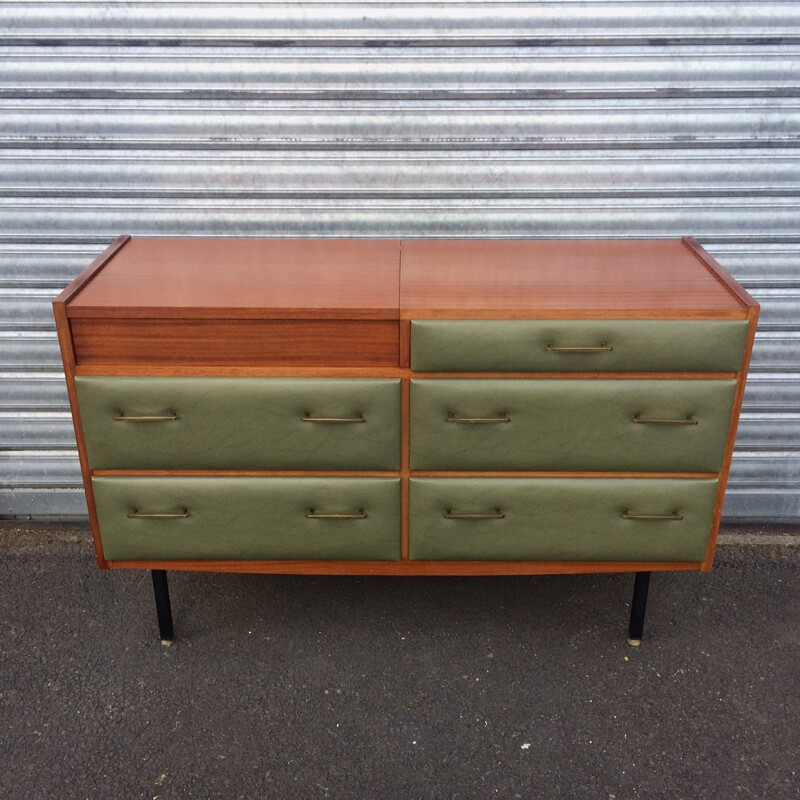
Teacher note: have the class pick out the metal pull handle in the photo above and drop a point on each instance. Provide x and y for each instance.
(136, 514)
(688, 420)
(123, 417)
(603, 348)
(673, 517)
(312, 514)
(451, 417)
(335, 420)
(450, 514)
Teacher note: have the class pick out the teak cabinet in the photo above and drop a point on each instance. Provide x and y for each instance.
(426, 407)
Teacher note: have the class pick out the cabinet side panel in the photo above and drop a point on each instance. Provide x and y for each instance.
(753, 313)
(68, 357)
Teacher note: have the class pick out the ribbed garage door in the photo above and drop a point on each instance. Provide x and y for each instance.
(559, 119)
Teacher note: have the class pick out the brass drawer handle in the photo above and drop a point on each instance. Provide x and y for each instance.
(123, 417)
(335, 420)
(312, 514)
(603, 348)
(688, 420)
(498, 514)
(138, 515)
(673, 517)
(451, 417)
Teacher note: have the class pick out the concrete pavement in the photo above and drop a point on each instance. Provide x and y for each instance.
(430, 688)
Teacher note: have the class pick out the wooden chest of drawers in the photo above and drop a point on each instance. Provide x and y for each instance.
(405, 408)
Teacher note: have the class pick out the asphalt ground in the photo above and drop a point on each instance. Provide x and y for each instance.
(343, 687)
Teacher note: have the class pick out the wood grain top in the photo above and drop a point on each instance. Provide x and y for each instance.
(385, 279)
(446, 278)
(319, 278)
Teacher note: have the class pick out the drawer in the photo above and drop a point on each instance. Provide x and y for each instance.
(110, 341)
(570, 425)
(240, 423)
(561, 519)
(577, 345)
(248, 518)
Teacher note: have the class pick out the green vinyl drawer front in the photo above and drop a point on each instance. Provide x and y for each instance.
(570, 424)
(240, 423)
(248, 518)
(561, 519)
(577, 345)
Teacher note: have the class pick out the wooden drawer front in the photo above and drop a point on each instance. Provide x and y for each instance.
(560, 519)
(240, 423)
(242, 518)
(557, 345)
(566, 424)
(235, 342)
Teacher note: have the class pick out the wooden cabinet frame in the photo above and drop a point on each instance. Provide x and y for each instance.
(343, 308)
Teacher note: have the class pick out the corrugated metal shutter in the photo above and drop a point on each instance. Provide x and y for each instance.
(559, 119)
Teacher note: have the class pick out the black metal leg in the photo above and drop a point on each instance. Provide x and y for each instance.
(163, 609)
(638, 607)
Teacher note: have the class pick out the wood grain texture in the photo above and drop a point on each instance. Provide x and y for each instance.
(80, 282)
(421, 568)
(68, 357)
(405, 343)
(278, 371)
(245, 473)
(753, 313)
(285, 278)
(186, 342)
(722, 275)
(405, 471)
(340, 308)
(554, 278)
(377, 473)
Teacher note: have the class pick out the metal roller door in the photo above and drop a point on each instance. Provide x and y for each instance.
(495, 119)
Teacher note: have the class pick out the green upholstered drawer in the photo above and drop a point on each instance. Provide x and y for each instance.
(560, 519)
(555, 345)
(245, 518)
(568, 424)
(240, 423)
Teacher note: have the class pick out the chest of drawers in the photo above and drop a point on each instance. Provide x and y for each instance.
(427, 407)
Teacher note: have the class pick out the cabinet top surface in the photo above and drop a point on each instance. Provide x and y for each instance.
(383, 279)
(561, 275)
(293, 277)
